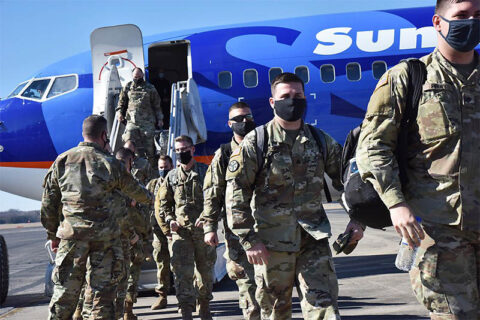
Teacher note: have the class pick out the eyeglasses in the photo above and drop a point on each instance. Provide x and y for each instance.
(242, 117)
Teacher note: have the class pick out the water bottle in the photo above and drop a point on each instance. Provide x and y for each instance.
(406, 255)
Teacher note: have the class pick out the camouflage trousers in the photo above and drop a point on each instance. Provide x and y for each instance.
(311, 269)
(191, 256)
(123, 283)
(143, 137)
(243, 273)
(97, 262)
(446, 275)
(137, 255)
(162, 258)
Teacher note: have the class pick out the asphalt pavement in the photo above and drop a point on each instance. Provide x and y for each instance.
(371, 288)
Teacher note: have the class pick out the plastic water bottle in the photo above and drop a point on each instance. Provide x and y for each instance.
(406, 255)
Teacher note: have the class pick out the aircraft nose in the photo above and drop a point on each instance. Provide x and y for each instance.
(24, 137)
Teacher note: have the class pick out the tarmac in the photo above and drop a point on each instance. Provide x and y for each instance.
(371, 288)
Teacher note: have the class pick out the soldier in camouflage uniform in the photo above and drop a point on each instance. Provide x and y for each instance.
(238, 268)
(275, 208)
(177, 208)
(443, 168)
(139, 104)
(139, 216)
(81, 180)
(160, 243)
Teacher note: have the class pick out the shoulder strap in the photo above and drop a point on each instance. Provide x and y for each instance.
(261, 135)
(322, 145)
(417, 75)
(226, 152)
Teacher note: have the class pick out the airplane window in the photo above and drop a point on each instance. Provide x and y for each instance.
(250, 78)
(354, 72)
(327, 72)
(378, 69)
(17, 90)
(36, 89)
(273, 72)
(62, 85)
(302, 73)
(225, 79)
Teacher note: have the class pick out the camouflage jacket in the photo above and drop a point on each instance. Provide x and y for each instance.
(214, 191)
(140, 104)
(142, 170)
(181, 197)
(272, 205)
(119, 204)
(81, 181)
(214, 201)
(443, 148)
(154, 187)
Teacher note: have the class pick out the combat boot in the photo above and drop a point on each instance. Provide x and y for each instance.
(128, 312)
(204, 310)
(186, 312)
(161, 302)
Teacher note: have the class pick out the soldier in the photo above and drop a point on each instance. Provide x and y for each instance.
(238, 268)
(139, 104)
(275, 208)
(128, 236)
(81, 180)
(141, 168)
(177, 208)
(443, 169)
(160, 243)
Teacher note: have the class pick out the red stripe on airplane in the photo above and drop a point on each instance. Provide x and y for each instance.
(36, 164)
(106, 54)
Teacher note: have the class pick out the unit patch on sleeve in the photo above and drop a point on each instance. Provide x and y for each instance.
(233, 165)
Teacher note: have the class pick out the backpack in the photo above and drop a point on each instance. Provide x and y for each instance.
(360, 199)
(261, 135)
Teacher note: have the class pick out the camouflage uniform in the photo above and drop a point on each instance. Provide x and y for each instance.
(281, 207)
(142, 170)
(140, 105)
(139, 216)
(443, 172)
(238, 267)
(160, 246)
(181, 199)
(81, 181)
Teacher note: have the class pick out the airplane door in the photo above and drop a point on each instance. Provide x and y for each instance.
(116, 50)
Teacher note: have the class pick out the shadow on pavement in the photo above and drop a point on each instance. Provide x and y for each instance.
(25, 300)
(359, 266)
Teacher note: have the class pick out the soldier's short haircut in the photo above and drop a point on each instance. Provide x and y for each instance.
(93, 126)
(238, 105)
(123, 154)
(165, 158)
(286, 77)
(184, 138)
(133, 70)
(443, 4)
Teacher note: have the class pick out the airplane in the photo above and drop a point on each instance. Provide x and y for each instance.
(340, 57)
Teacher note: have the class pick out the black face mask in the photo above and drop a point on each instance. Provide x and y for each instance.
(184, 157)
(242, 128)
(290, 109)
(138, 81)
(163, 172)
(463, 35)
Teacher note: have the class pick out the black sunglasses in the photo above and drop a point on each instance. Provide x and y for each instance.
(240, 118)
